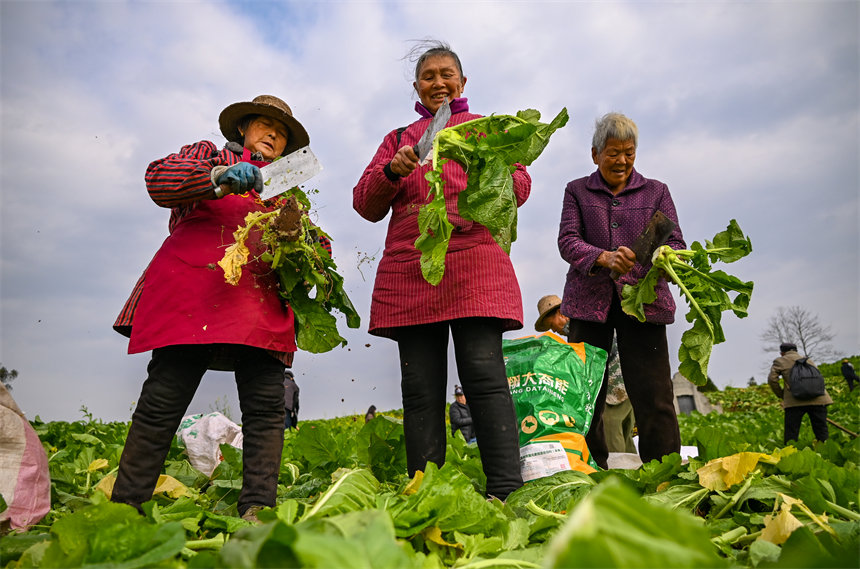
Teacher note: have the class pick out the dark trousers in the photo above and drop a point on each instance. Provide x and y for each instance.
(481, 368)
(817, 417)
(644, 355)
(174, 373)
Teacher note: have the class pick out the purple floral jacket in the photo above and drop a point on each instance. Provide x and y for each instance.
(593, 221)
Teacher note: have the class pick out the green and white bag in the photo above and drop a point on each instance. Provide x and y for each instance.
(554, 385)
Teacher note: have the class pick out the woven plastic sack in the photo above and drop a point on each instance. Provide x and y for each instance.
(25, 482)
(203, 435)
(554, 385)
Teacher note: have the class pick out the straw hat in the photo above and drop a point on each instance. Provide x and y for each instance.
(266, 105)
(546, 305)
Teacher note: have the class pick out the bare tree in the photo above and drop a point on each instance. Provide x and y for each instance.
(8, 376)
(798, 326)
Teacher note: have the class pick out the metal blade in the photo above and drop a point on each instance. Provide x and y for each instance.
(289, 171)
(425, 143)
(655, 234)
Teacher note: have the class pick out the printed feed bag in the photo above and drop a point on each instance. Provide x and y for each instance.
(554, 385)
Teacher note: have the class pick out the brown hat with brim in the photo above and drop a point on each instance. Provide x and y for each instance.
(546, 305)
(269, 106)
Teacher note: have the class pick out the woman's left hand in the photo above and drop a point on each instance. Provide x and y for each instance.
(404, 162)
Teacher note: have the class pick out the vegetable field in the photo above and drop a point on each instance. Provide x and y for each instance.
(344, 501)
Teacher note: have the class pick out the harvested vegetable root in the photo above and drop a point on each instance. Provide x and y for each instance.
(303, 267)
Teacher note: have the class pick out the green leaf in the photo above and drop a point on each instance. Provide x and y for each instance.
(488, 149)
(358, 540)
(111, 535)
(269, 545)
(317, 446)
(704, 290)
(381, 445)
(447, 500)
(553, 493)
(612, 527)
(352, 490)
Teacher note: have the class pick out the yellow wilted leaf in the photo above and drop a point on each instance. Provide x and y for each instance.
(237, 254)
(234, 259)
(414, 484)
(171, 487)
(434, 534)
(723, 473)
(106, 484)
(97, 464)
(166, 484)
(778, 527)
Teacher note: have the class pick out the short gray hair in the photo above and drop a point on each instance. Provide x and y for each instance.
(427, 48)
(614, 125)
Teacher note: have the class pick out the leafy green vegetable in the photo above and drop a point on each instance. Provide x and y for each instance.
(113, 535)
(704, 290)
(488, 149)
(611, 528)
(333, 510)
(303, 266)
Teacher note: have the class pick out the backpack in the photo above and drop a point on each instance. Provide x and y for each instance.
(805, 381)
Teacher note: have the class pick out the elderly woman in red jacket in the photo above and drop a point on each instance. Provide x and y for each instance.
(476, 301)
(183, 310)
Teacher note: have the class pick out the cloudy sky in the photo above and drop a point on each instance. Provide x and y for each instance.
(747, 110)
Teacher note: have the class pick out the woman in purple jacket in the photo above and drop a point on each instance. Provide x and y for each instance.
(601, 217)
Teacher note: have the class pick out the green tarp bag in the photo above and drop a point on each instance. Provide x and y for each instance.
(554, 385)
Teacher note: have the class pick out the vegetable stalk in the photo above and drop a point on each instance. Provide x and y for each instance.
(705, 291)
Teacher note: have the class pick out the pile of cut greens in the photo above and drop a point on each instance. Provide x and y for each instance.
(302, 266)
(488, 149)
(706, 292)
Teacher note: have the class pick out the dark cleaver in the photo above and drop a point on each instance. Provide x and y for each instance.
(655, 234)
(425, 143)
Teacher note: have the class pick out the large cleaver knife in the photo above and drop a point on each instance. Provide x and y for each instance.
(655, 234)
(425, 143)
(288, 172)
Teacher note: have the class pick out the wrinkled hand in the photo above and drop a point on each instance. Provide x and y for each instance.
(241, 178)
(404, 162)
(619, 261)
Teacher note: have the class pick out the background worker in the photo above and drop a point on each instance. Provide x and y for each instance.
(460, 416)
(291, 400)
(849, 374)
(795, 409)
(618, 419)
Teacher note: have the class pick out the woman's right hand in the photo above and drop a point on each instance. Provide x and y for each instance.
(404, 162)
(240, 178)
(620, 261)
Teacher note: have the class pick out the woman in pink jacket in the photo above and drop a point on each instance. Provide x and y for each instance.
(477, 300)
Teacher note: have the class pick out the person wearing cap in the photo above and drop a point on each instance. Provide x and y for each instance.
(618, 418)
(550, 317)
(602, 215)
(291, 400)
(183, 311)
(460, 416)
(849, 374)
(795, 409)
(477, 300)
